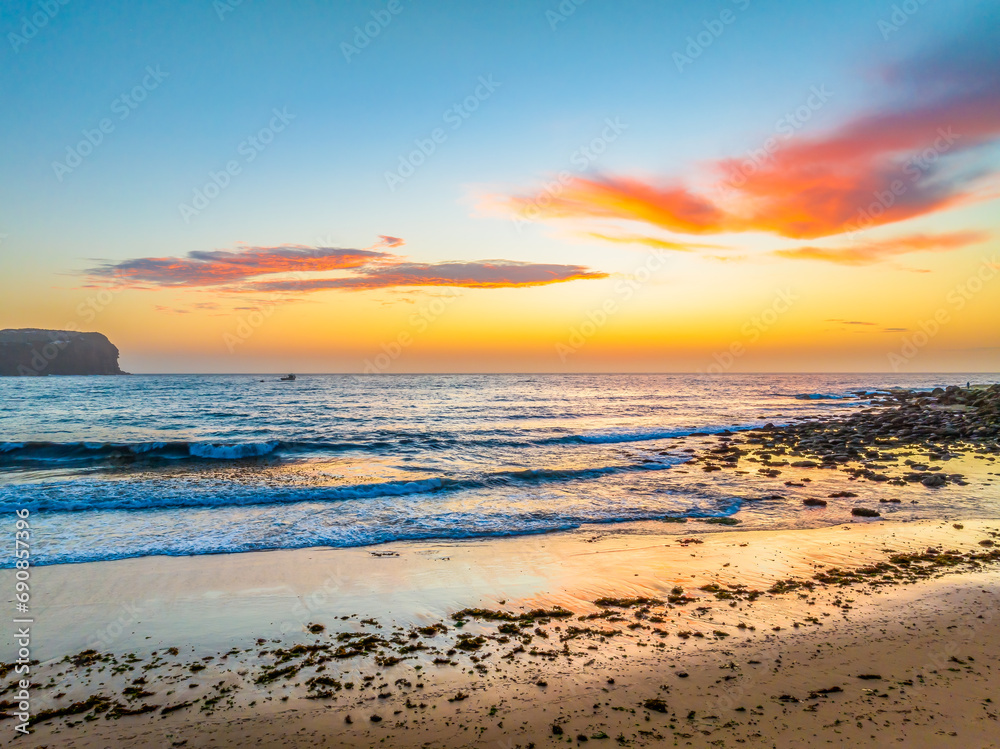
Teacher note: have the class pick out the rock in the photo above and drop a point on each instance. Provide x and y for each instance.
(804, 464)
(813, 502)
(864, 512)
(33, 352)
(934, 480)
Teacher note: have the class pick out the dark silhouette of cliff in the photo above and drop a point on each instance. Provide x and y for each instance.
(33, 352)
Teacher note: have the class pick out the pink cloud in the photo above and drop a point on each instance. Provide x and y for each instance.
(483, 274)
(218, 267)
(908, 158)
(873, 252)
(242, 271)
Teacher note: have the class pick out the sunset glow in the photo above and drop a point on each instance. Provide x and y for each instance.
(661, 216)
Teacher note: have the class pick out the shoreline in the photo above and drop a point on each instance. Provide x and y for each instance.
(904, 449)
(687, 632)
(229, 609)
(275, 592)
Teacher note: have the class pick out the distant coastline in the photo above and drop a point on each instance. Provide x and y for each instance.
(36, 352)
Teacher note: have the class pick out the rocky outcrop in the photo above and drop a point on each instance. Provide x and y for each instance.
(33, 352)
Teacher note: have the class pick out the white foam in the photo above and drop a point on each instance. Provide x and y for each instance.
(231, 452)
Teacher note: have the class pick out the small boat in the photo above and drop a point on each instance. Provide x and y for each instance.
(288, 378)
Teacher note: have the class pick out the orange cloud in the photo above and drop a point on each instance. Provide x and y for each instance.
(239, 271)
(906, 159)
(671, 207)
(660, 244)
(218, 267)
(483, 274)
(874, 252)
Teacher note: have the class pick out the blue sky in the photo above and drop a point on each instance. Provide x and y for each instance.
(354, 120)
(322, 178)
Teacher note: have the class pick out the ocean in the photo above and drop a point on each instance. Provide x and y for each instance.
(115, 467)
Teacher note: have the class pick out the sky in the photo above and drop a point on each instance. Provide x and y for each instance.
(578, 186)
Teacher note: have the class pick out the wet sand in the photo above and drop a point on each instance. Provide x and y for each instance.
(879, 630)
(245, 613)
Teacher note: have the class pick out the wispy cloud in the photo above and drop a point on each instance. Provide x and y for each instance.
(656, 242)
(247, 271)
(668, 206)
(874, 252)
(915, 150)
(482, 274)
(217, 267)
(210, 307)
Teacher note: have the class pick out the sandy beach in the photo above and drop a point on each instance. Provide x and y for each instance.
(868, 621)
(478, 375)
(761, 668)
